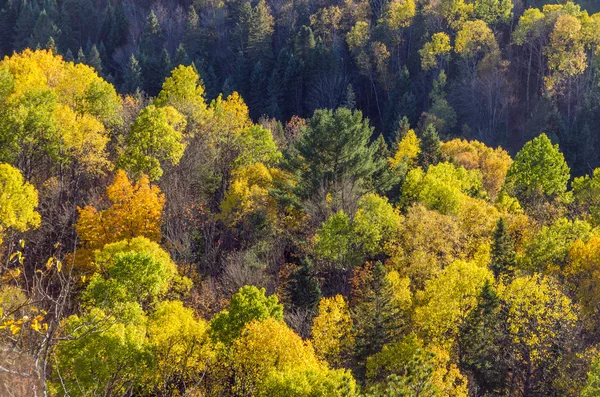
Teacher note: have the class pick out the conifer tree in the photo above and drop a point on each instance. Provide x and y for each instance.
(503, 251)
(430, 147)
(133, 76)
(94, 60)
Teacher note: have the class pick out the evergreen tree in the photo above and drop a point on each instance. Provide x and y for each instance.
(69, 56)
(258, 91)
(260, 33)
(192, 38)
(24, 26)
(151, 55)
(133, 76)
(181, 56)
(304, 289)
(304, 43)
(211, 84)
(430, 147)
(335, 157)
(51, 45)
(43, 30)
(94, 60)
(503, 251)
(80, 56)
(481, 342)
(165, 65)
(350, 100)
(377, 319)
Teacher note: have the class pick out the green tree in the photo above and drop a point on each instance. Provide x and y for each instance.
(503, 251)
(333, 156)
(248, 304)
(539, 171)
(155, 139)
(430, 147)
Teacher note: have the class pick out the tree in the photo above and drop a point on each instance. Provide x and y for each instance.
(332, 331)
(114, 360)
(586, 191)
(447, 300)
(435, 52)
(333, 156)
(133, 75)
(18, 201)
(260, 33)
(539, 171)
(548, 250)
(150, 50)
(493, 163)
(408, 368)
(248, 304)
(482, 340)
(430, 147)
(268, 352)
(444, 187)
(135, 210)
(346, 242)
(503, 251)
(181, 346)
(93, 59)
(304, 288)
(155, 139)
(183, 90)
(541, 324)
(379, 303)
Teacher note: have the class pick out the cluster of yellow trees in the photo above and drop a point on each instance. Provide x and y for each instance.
(130, 226)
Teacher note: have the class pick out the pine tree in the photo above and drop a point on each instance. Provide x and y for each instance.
(260, 33)
(481, 342)
(51, 45)
(350, 100)
(69, 56)
(258, 91)
(133, 76)
(503, 254)
(430, 147)
(192, 38)
(24, 27)
(80, 56)
(211, 84)
(151, 55)
(377, 320)
(304, 289)
(93, 59)
(181, 56)
(165, 65)
(43, 30)
(304, 43)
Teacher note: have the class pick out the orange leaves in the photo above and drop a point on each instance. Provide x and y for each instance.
(135, 211)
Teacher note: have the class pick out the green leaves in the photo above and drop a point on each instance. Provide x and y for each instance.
(155, 138)
(248, 304)
(539, 171)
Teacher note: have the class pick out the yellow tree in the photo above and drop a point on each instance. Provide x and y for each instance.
(493, 163)
(180, 344)
(18, 200)
(448, 299)
(55, 110)
(135, 210)
(332, 334)
(541, 320)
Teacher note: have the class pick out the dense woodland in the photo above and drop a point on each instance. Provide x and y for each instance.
(385, 198)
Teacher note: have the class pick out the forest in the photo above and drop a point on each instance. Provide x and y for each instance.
(394, 198)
